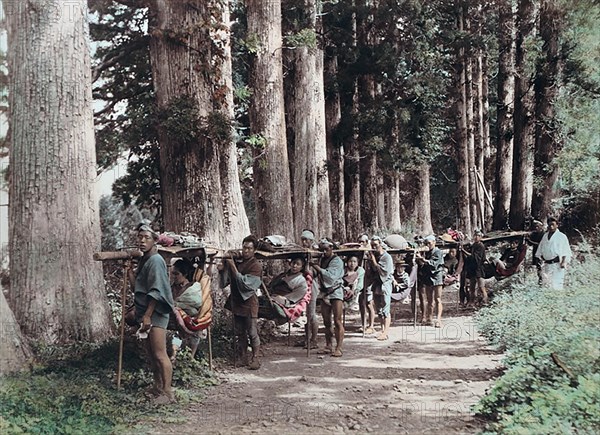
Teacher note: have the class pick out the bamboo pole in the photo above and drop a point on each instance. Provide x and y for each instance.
(210, 355)
(122, 337)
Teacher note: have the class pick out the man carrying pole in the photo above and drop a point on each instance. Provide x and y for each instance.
(244, 279)
(153, 304)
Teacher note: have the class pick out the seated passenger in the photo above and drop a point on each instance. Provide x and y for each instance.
(288, 288)
(401, 283)
(509, 258)
(187, 296)
(450, 267)
(354, 279)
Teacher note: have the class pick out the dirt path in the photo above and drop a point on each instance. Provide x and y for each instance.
(423, 380)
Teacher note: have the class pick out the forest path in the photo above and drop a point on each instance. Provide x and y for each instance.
(422, 380)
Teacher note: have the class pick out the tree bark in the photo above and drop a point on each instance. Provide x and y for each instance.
(366, 99)
(547, 86)
(392, 202)
(335, 152)
(352, 175)
(472, 164)
(505, 106)
(369, 176)
(312, 208)
(191, 69)
(267, 121)
(57, 290)
(520, 204)
(234, 213)
(488, 174)
(423, 199)
(13, 348)
(461, 137)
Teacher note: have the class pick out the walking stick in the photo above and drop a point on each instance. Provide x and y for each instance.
(210, 359)
(416, 292)
(233, 323)
(308, 327)
(365, 303)
(122, 338)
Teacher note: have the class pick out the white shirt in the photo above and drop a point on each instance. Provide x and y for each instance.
(557, 246)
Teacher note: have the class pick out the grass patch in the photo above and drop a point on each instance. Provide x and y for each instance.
(551, 338)
(72, 390)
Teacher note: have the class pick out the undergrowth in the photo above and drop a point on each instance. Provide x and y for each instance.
(72, 390)
(551, 338)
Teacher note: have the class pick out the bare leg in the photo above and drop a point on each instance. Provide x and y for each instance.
(252, 328)
(429, 306)
(326, 313)
(437, 294)
(483, 290)
(371, 314)
(472, 288)
(158, 345)
(241, 340)
(337, 308)
(157, 383)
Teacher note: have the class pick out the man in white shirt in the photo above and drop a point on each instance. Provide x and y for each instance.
(554, 253)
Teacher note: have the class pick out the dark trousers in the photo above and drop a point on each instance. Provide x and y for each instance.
(462, 292)
(246, 327)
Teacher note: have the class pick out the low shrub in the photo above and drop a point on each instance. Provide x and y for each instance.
(551, 339)
(72, 391)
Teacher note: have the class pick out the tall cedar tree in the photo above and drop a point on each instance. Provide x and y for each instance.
(524, 117)
(305, 109)
(57, 291)
(191, 69)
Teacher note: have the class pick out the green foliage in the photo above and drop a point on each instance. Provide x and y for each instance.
(251, 44)
(256, 141)
(73, 392)
(183, 122)
(537, 327)
(304, 38)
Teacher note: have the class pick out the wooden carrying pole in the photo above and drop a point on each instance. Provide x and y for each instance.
(210, 356)
(122, 335)
(308, 326)
(416, 292)
(125, 255)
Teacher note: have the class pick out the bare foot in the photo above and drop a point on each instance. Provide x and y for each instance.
(337, 353)
(382, 336)
(326, 350)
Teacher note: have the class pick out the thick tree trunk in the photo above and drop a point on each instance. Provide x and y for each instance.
(335, 152)
(392, 202)
(312, 208)
(423, 200)
(13, 348)
(461, 138)
(191, 69)
(547, 86)
(520, 204)
(381, 216)
(469, 60)
(366, 96)
(369, 176)
(488, 171)
(478, 124)
(352, 175)
(57, 291)
(234, 213)
(267, 121)
(504, 121)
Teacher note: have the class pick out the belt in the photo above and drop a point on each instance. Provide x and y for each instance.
(554, 260)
